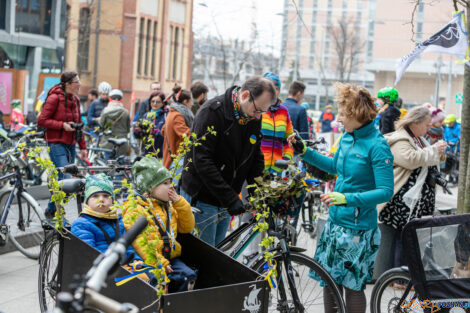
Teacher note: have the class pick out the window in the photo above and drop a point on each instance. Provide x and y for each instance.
(178, 12)
(49, 60)
(175, 53)
(15, 54)
(83, 39)
(141, 39)
(149, 7)
(168, 52)
(3, 9)
(64, 12)
(154, 50)
(147, 47)
(33, 16)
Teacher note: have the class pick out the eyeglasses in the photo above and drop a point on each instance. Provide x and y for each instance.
(156, 101)
(256, 111)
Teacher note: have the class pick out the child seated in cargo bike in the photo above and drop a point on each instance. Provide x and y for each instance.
(167, 213)
(98, 225)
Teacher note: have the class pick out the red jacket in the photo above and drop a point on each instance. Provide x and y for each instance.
(53, 116)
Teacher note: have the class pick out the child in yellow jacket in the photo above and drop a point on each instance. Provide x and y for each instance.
(167, 213)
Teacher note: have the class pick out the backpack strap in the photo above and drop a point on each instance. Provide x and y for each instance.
(105, 233)
(166, 251)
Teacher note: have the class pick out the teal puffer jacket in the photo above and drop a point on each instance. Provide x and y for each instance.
(364, 165)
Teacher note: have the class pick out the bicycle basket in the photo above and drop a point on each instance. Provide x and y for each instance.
(317, 173)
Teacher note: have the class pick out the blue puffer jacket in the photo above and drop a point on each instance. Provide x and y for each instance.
(85, 227)
(364, 165)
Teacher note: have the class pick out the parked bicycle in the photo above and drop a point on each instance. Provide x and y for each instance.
(295, 291)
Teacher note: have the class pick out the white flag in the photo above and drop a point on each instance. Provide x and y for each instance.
(451, 39)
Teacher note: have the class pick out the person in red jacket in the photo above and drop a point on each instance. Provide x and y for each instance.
(60, 111)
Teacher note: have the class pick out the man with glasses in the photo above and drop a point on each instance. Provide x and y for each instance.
(222, 162)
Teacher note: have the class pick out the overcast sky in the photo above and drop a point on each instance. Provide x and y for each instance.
(234, 19)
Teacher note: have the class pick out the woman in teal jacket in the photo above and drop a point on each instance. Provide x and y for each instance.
(364, 164)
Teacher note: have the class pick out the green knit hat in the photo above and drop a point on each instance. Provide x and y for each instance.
(98, 183)
(149, 173)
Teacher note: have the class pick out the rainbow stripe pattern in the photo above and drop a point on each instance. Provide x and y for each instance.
(276, 127)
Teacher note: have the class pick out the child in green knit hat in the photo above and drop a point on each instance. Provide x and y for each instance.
(168, 214)
(97, 224)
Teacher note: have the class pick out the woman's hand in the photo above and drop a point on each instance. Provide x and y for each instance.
(168, 269)
(333, 198)
(66, 126)
(297, 143)
(172, 195)
(441, 147)
(83, 153)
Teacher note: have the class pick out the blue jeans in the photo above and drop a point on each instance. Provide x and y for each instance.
(61, 155)
(213, 223)
(181, 276)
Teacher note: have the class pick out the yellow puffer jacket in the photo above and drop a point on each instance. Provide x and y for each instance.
(149, 244)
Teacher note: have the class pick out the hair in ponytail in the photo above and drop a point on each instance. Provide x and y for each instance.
(180, 94)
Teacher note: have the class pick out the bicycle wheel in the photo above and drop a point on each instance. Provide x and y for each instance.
(389, 289)
(26, 233)
(309, 290)
(48, 278)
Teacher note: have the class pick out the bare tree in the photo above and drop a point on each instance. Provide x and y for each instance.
(347, 45)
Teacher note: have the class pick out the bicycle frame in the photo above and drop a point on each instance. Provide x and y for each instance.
(18, 190)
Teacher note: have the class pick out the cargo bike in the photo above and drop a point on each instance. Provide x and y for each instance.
(437, 275)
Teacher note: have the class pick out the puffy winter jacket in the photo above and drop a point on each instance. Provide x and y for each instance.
(96, 107)
(364, 165)
(54, 113)
(149, 243)
(87, 228)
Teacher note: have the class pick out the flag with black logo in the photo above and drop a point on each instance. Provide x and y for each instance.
(451, 39)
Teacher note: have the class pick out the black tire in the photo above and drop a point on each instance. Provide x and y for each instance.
(48, 278)
(306, 286)
(28, 237)
(386, 296)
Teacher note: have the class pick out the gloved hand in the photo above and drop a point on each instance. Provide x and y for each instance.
(337, 198)
(236, 208)
(299, 145)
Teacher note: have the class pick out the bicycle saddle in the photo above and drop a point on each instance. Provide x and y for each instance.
(72, 185)
(117, 142)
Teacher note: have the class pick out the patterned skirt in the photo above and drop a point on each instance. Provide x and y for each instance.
(347, 254)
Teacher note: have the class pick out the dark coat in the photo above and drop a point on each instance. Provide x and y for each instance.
(54, 114)
(298, 116)
(388, 119)
(222, 163)
(96, 107)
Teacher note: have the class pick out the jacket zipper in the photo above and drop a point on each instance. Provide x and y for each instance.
(356, 210)
(274, 136)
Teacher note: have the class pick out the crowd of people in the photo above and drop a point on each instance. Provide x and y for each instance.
(383, 162)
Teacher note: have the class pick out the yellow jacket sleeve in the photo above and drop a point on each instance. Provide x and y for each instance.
(185, 220)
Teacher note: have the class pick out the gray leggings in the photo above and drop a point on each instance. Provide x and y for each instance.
(355, 300)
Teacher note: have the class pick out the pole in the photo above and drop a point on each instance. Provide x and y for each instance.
(320, 79)
(438, 78)
(97, 37)
(449, 86)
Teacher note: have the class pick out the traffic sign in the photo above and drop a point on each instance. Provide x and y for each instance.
(458, 98)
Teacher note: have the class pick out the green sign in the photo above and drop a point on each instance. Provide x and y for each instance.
(458, 98)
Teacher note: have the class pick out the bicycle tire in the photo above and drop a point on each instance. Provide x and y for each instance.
(28, 240)
(312, 287)
(384, 285)
(48, 278)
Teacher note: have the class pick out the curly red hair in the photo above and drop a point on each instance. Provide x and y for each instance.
(356, 102)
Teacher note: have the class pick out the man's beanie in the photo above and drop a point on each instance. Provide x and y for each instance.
(98, 183)
(149, 173)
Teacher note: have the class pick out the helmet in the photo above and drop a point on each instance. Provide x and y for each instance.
(451, 118)
(388, 94)
(104, 87)
(305, 105)
(116, 94)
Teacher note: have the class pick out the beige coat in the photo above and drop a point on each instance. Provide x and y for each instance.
(407, 157)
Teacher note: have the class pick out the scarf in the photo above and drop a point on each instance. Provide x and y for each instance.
(110, 215)
(241, 117)
(185, 111)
